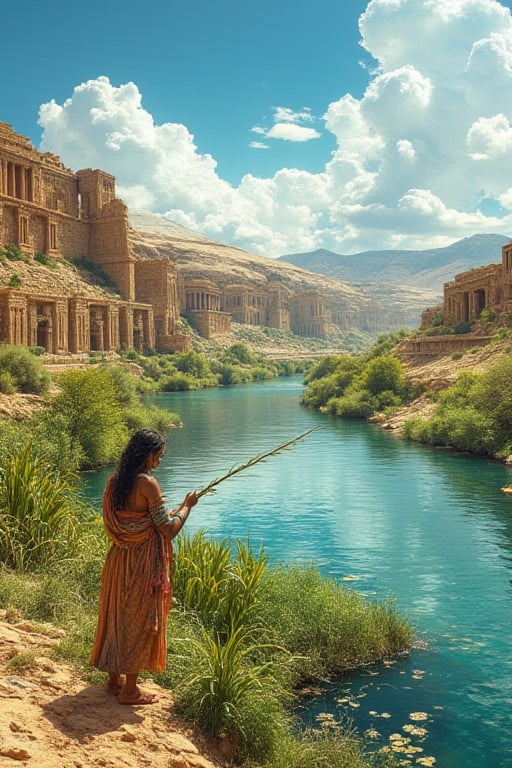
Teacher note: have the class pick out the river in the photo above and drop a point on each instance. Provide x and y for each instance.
(388, 518)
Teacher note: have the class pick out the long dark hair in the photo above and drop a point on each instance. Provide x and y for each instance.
(133, 459)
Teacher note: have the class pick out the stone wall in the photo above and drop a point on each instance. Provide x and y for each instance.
(470, 293)
(47, 209)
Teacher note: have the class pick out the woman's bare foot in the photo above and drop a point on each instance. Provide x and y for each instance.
(115, 683)
(137, 697)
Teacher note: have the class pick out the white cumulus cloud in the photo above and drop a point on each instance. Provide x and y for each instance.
(416, 155)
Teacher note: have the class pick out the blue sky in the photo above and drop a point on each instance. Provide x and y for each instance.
(279, 126)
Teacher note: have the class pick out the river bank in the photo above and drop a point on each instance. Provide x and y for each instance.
(50, 716)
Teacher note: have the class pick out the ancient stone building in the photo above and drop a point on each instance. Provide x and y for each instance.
(47, 209)
(469, 293)
(201, 302)
(309, 315)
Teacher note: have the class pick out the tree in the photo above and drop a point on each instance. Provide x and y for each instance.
(383, 374)
(89, 403)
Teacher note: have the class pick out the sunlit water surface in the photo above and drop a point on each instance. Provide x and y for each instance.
(388, 518)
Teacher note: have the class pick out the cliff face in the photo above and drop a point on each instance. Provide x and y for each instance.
(372, 307)
(196, 257)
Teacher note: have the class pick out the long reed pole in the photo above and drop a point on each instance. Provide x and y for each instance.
(210, 488)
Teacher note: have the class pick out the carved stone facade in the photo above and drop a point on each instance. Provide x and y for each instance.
(469, 293)
(201, 302)
(47, 209)
(310, 316)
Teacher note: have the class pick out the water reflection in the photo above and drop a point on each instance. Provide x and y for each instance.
(387, 517)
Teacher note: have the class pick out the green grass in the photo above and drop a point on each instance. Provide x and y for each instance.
(242, 637)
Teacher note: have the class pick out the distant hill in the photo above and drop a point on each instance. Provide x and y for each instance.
(426, 270)
(395, 286)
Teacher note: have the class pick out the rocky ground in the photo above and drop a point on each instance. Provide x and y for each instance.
(50, 717)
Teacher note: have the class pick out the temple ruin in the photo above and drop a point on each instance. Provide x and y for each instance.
(46, 210)
(470, 293)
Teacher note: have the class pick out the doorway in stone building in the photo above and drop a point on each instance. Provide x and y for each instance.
(479, 302)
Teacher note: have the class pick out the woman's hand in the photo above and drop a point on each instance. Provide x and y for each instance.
(190, 499)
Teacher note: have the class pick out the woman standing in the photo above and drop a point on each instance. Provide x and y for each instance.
(136, 587)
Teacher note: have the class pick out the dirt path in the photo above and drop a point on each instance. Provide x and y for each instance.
(50, 718)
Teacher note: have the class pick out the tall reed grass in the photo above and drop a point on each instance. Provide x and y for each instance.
(41, 517)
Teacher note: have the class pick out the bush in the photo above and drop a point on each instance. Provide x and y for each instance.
(88, 403)
(7, 383)
(27, 373)
(462, 328)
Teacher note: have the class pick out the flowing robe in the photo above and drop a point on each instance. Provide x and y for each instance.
(135, 595)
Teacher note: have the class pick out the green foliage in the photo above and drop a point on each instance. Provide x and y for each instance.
(240, 353)
(322, 368)
(438, 319)
(15, 281)
(12, 252)
(488, 315)
(330, 629)
(7, 383)
(193, 363)
(45, 260)
(474, 415)
(178, 382)
(88, 403)
(383, 373)
(27, 373)
(358, 387)
(462, 328)
(229, 374)
(38, 514)
(223, 677)
(222, 590)
(385, 343)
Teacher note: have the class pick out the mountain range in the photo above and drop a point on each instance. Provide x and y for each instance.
(428, 269)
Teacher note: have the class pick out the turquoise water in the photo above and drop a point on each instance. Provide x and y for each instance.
(388, 518)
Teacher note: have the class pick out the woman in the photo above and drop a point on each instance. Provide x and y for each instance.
(135, 595)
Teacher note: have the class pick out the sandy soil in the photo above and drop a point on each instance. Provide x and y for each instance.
(50, 718)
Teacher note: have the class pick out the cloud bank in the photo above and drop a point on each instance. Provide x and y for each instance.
(422, 158)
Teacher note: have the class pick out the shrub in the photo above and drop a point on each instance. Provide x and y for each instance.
(462, 328)
(177, 382)
(27, 372)
(7, 383)
(88, 402)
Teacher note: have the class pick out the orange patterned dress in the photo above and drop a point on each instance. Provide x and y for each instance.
(135, 595)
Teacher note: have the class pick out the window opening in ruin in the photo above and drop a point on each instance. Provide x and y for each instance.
(53, 237)
(23, 230)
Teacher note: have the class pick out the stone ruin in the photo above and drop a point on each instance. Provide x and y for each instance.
(465, 298)
(46, 209)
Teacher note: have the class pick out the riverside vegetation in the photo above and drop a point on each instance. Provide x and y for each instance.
(472, 415)
(244, 636)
